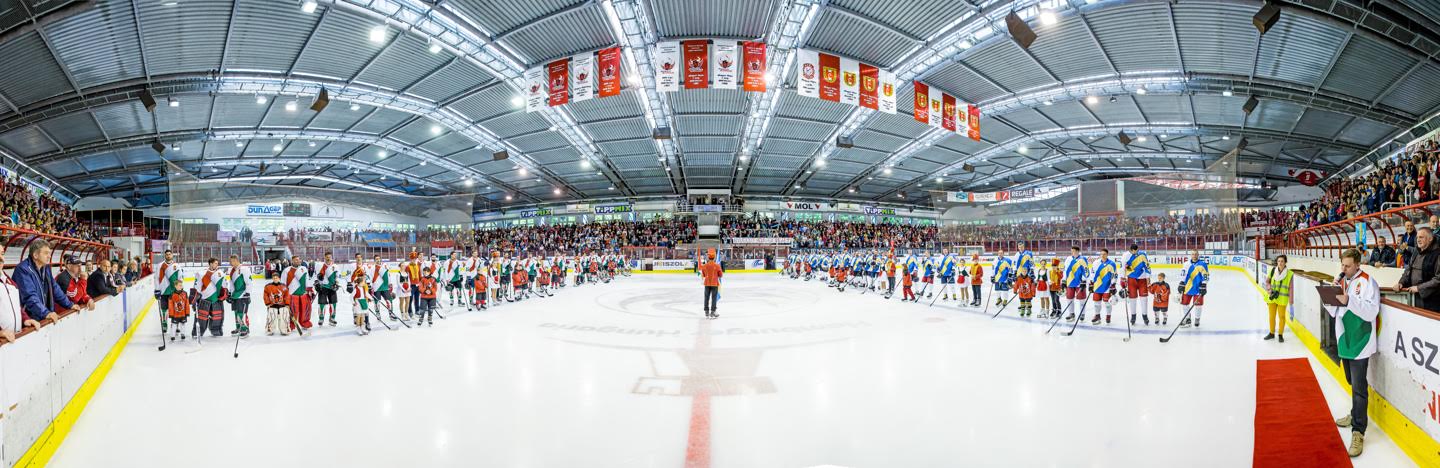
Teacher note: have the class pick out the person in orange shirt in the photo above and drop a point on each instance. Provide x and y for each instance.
(518, 278)
(427, 289)
(278, 319)
(976, 275)
(711, 273)
(482, 283)
(905, 282)
(1025, 288)
(890, 276)
(1160, 294)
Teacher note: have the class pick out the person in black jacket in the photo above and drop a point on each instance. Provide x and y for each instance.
(1422, 272)
(1383, 255)
(99, 283)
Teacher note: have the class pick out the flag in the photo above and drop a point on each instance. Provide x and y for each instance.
(667, 66)
(807, 62)
(869, 86)
(611, 71)
(922, 103)
(888, 92)
(974, 122)
(937, 108)
(947, 112)
(697, 71)
(559, 71)
(755, 64)
(582, 77)
(829, 77)
(726, 64)
(535, 93)
(849, 82)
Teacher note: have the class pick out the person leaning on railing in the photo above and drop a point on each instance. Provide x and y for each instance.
(38, 289)
(1422, 271)
(12, 315)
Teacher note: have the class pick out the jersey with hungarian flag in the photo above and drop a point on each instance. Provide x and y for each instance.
(296, 279)
(380, 275)
(170, 282)
(327, 277)
(238, 284)
(210, 284)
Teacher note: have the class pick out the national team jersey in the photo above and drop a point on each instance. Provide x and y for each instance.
(1025, 261)
(239, 284)
(947, 266)
(1105, 272)
(1004, 268)
(1137, 265)
(1076, 270)
(170, 282)
(211, 283)
(326, 276)
(297, 279)
(1194, 278)
(380, 275)
(929, 267)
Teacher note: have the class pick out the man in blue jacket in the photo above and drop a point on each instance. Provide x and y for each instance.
(39, 293)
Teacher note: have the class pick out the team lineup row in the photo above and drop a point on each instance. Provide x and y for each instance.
(293, 294)
(1021, 277)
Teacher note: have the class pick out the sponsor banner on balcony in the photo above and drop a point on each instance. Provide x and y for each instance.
(803, 206)
(609, 209)
(266, 209)
(1309, 177)
(533, 212)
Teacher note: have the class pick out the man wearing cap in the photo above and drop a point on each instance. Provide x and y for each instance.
(70, 281)
(711, 273)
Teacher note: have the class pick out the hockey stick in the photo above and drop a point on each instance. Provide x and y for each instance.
(376, 313)
(1079, 317)
(1177, 325)
(943, 287)
(1003, 306)
(295, 323)
(1058, 316)
(988, 296)
(163, 319)
(1129, 316)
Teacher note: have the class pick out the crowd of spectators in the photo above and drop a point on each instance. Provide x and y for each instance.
(42, 212)
(1100, 227)
(1407, 180)
(833, 235)
(580, 238)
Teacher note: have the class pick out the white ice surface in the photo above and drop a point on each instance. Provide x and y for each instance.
(602, 376)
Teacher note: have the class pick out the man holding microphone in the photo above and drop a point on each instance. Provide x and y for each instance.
(1355, 341)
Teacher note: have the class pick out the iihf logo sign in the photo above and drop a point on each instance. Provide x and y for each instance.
(808, 71)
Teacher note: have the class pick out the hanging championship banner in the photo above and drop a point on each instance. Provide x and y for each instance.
(582, 77)
(754, 66)
(829, 77)
(849, 82)
(610, 71)
(937, 108)
(725, 65)
(559, 71)
(974, 121)
(869, 87)
(886, 99)
(922, 103)
(947, 115)
(667, 67)
(535, 94)
(697, 70)
(1309, 177)
(808, 64)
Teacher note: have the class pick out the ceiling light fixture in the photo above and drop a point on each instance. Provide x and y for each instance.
(1227, 93)
(517, 101)
(557, 191)
(291, 106)
(1047, 17)
(173, 102)
(523, 172)
(434, 47)
(435, 130)
(377, 34)
(311, 143)
(308, 7)
(261, 100)
(239, 144)
(277, 148)
(1049, 102)
(1092, 100)
(354, 107)
(382, 154)
(1141, 91)
(585, 163)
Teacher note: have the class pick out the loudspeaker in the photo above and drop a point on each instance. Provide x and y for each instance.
(158, 146)
(501, 155)
(1124, 139)
(1266, 17)
(968, 167)
(1242, 144)
(661, 133)
(1019, 30)
(147, 99)
(321, 101)
(844, 142)
(1250, 105)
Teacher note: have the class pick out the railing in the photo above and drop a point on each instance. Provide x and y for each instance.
(1329, 240)
(200, 252)
(18, 240)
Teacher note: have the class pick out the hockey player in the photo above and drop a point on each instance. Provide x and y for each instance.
(711, 272)
(1137, 279)
(929, 277)
(520, 281)
(362, 302)
(481, 284)
(542, 279)
(327, 281)
(277, 320)
(428, 289)
(1103, 288)
(1024, 260)
(297, 283)
(379, 276)
(238, 290)
(907, 280)
(1077, 269)
(1160, 293)
(977, 278)
(452, 275)
(1004, 273)
(505, 276)
(1193, 285)
(167, 284)
(471, 268)
(947, 272)
(210, 308)
(1025, 290)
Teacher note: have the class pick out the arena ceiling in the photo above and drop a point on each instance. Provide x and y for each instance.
(423, 93)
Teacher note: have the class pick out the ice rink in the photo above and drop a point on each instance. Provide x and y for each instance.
(629, 374)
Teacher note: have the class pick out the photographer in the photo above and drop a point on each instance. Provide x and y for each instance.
(1279, 288)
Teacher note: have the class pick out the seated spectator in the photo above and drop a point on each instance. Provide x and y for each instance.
(101, 282)
(39, 293)
(72, 281)
(1382, 255)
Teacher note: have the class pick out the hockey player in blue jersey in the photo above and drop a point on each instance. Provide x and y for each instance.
(947, 272)
(1193, 286)
(1004, 274)
(1103, 287)
(1024, 260)
(1077, 270)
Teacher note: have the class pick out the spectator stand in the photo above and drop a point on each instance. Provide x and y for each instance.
(1329, 240)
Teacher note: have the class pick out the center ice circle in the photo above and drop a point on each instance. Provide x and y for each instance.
(685, 302)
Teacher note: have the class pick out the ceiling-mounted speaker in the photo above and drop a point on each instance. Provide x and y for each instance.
(844, 142)
(321, 101)
(661, 133)
(501, 155)
(147, 99)
(968, 167)
(1242, 144)
(1019, 30)
(1251, 104)
(1124, 139)
(158, 146)
(1266, 17)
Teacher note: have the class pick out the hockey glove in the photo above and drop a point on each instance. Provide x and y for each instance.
(1204, 286)
(1124, 293)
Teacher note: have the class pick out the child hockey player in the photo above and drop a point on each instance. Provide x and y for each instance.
(1103, 286)
(277, 319)
(428, 290)
(481, 284)
(179, 311)
(1025, 290)
(520, 281)
(1160, 294)
(1193, 286)
(542, 281)
(362, 305)
(907, 279)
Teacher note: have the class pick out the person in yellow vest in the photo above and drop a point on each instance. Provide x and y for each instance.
(1277, 284)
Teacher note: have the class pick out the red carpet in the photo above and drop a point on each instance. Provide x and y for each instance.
(1293, 426)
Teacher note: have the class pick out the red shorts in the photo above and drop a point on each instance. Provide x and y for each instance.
(1074, 293)
(1040, 286)
(1100, 297)
(1137, 287)
(929, 279)
(1186, 299)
